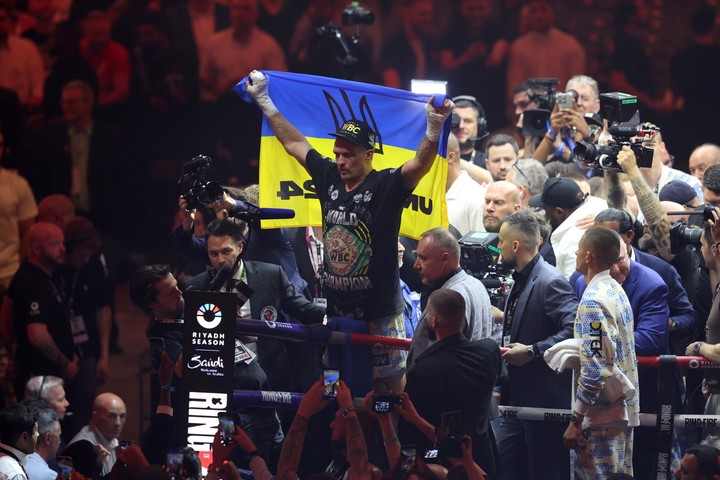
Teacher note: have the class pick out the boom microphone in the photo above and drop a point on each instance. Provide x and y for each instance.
(249, 211)
(221, 278)
(624, 130)
(276, 213)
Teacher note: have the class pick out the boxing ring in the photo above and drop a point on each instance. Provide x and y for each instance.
(344, 336)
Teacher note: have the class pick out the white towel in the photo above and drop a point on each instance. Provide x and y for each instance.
(565, 354)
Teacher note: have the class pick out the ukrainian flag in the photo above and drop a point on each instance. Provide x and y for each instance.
(317, 106)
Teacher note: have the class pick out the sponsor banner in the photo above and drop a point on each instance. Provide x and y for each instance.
(208, 364)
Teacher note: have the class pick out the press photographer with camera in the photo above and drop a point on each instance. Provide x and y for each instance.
(658, 224)
(568, 126)
(672, 241)
(322, 43)
(269, 245)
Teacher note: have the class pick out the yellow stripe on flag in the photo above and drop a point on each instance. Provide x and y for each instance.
(284, 183)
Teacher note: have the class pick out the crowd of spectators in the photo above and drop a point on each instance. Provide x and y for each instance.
(101, 103)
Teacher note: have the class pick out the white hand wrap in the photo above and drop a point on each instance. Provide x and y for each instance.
(258, 89)
(436, 118)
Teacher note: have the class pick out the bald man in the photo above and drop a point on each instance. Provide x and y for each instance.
(41, 316)
(56, 208)
(106, 424)
(465, 197)
(702, 157)
(464, 371)
(501, 200)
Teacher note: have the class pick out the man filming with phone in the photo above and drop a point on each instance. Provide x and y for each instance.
(346, 432)
(571, 119)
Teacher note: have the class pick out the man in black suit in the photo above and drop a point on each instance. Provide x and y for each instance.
(82, 159)
(271, 296)
(540, 312)
(455, 374)
(155, 291)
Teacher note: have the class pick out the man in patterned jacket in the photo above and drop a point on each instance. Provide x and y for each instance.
(603, 414)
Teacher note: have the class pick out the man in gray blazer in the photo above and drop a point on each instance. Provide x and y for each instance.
(540, 312)
(438, 262)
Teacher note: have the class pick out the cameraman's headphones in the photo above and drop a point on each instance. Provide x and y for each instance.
(481, 120)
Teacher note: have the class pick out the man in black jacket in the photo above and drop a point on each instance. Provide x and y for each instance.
(455, 374)
(539, 312)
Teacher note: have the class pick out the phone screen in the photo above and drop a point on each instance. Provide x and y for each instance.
(331, 379)
(157, 347)
(564, 100)
(66, 467)
(125, 443)
(227, 427)
(432, 453)
(450, 422)
(173, 462)
(381, 388)
(408, 458)
(381, 406)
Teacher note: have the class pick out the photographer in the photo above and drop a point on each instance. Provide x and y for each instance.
(670, 241)
(270, 245)
(650, 206)
(565, 123)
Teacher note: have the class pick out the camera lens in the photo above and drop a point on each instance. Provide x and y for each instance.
(211, 192)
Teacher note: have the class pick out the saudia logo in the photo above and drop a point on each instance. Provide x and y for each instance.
(209, 316)
(341, 113)
(197, 361)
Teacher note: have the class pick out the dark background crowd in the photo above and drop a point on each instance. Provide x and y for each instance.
(168, 97)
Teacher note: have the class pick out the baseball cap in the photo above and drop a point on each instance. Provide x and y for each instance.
(677, 191)
(356, 132)
(558, 192)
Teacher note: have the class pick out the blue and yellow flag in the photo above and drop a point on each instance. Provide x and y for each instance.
(317, 106)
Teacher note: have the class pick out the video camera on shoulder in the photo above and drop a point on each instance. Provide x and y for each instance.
(383, 399)
(479, 258)
(355, 14)
(618, 108)
(682, 234)
(199, 190)
(542, 92)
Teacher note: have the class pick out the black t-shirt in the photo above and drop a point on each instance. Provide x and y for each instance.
(37, 300)
(360, 230)
(85, 291)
